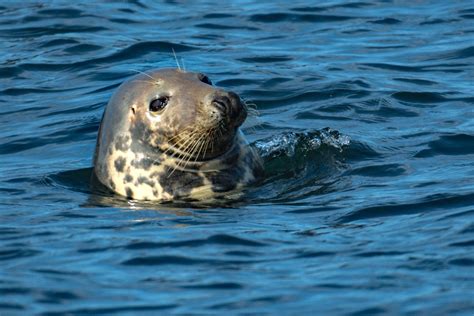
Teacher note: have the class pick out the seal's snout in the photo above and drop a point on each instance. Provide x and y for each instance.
(231, 106)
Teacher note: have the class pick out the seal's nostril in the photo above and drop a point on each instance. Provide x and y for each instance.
(229, 104)
(222, 103)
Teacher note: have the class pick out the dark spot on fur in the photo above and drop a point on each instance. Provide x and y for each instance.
(129, 192)
(179, 183)
(141, 136)
(155, 193)
(120, 164)
(128, 178)
(143, 163)
(146, 181)
(121, 143)
(226, 180)
(232, 159)
(252, 161)
(141, 142)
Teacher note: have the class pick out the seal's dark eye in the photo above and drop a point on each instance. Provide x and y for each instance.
(158, 104)
(205, 79)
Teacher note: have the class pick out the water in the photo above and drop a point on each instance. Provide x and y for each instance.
(371, 216)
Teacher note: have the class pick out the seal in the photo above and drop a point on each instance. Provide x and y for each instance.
(169, 134)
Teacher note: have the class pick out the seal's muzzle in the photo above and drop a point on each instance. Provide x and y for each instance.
(231, 107)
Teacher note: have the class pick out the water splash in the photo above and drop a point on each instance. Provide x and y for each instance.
(290, 144)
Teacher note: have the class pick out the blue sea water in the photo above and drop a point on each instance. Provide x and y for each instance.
(366, 123)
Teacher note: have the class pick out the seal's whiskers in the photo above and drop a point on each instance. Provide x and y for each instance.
(176, 59)
(200, 148)
(190, 135)
(155, 81)
(191, 155)
(180, 159)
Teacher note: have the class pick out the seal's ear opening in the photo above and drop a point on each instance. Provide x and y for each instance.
(133, 110)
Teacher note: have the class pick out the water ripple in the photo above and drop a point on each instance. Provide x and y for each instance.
(16, 253)
(216, 239)
(27, 32)
(136, 50)
(179, 260)
(313, 18)
(132, 308)
(459, 144)
(427, 204)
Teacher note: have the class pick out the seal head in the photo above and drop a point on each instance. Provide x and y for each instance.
(168, 134)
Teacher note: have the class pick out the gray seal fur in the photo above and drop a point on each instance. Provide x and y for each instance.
(190, 148)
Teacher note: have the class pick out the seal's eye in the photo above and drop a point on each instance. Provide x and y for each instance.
(158, 104)
(205, 79)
